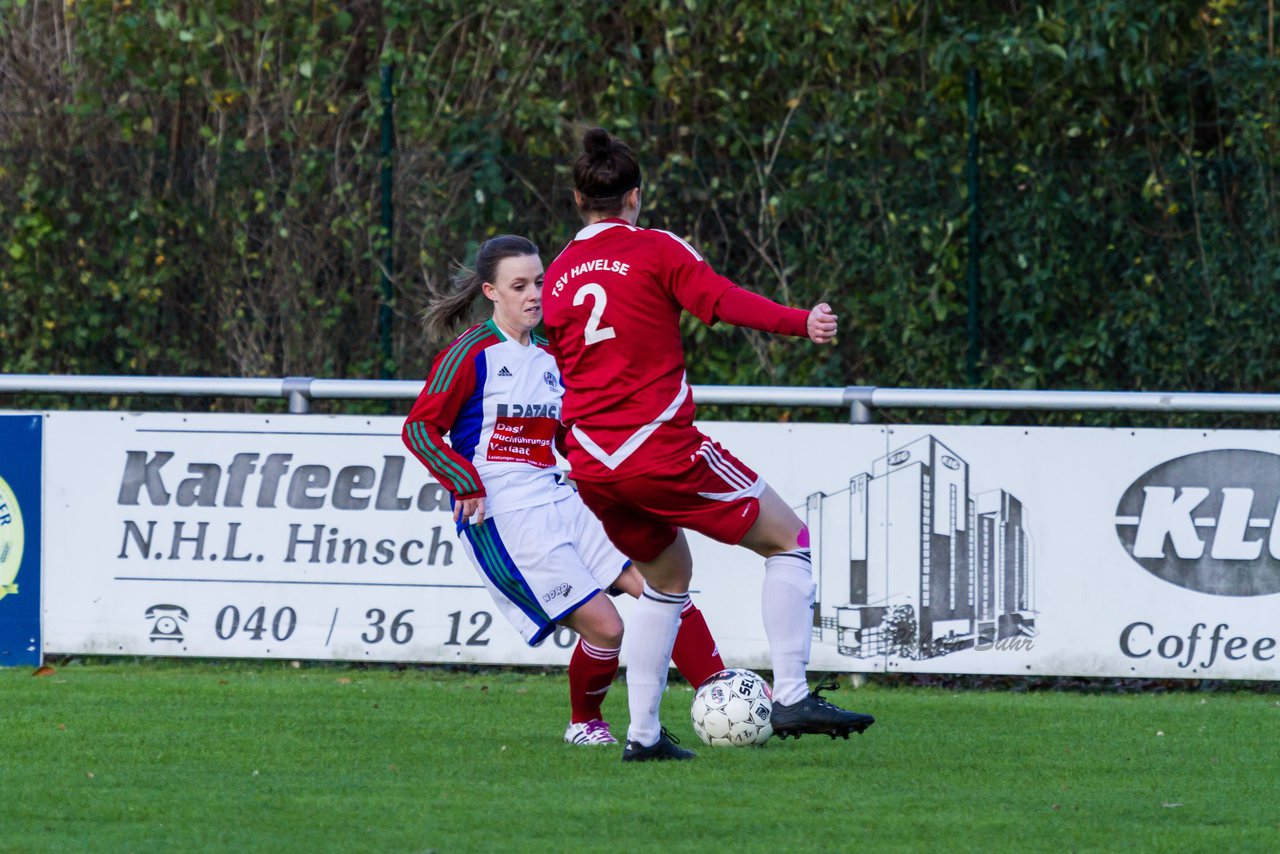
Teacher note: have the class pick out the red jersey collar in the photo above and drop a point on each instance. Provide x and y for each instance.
(603, 225)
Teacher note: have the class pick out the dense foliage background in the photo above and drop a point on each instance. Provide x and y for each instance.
(195, 187)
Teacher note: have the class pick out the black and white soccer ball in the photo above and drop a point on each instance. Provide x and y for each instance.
(733, 708)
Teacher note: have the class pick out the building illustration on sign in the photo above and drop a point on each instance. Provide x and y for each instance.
(929, 568)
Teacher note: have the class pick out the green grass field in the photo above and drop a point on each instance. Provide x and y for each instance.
(214, 756)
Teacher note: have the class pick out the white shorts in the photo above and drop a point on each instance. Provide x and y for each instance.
(541, 563)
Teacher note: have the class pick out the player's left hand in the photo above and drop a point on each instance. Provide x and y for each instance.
(821, 324)
(469, 507)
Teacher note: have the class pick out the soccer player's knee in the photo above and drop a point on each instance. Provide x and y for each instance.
(613, 640)
(670, 578)
(606, 634)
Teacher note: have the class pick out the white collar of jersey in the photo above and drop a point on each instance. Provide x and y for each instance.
(596, 227)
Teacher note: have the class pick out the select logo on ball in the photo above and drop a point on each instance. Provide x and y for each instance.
(733, 708)
(12, 538)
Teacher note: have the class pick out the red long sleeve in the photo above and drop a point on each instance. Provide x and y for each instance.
(451, 381)
(743, 308)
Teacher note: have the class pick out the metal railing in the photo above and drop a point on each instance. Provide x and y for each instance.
(860, 401)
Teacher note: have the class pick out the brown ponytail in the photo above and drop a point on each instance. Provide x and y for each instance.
(604, 173)
(444, 314)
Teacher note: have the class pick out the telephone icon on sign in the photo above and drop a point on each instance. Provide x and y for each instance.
(168, 622)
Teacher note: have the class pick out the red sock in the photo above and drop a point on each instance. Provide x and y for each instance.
(696, 655)
(591, 672)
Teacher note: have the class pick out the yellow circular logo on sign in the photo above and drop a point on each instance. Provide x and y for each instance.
(11, 539)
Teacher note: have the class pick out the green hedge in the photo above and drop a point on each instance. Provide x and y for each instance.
(194, 188)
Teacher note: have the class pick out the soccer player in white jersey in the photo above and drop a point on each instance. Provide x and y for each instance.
(612, 306)
(543, 557)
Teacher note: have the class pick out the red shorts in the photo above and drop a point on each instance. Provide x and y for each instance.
(713, 493)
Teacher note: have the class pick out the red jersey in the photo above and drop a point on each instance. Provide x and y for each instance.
(611, 307)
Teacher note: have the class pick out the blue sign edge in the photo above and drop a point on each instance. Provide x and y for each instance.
(26, 479)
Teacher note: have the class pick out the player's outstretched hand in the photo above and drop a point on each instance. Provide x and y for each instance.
(468, 507)
(821, 324)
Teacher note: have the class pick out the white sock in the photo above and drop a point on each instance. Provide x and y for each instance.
(787, 609)
(651, 633)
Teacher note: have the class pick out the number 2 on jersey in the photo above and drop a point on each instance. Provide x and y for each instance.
(594, 333)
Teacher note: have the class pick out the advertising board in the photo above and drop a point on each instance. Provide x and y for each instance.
(1000, 550)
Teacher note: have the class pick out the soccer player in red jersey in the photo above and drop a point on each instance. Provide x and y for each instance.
(612, 310)
(542, 556)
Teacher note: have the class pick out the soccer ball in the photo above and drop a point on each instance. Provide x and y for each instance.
(733, 708)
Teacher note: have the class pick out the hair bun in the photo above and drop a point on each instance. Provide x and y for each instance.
(605, 170)
(597, 142)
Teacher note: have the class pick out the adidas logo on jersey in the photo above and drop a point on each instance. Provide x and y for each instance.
(504, 372)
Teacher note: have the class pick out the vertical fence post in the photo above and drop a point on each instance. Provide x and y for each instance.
(858, 399)
(297, 390)
(975, 232)
(388, 146)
